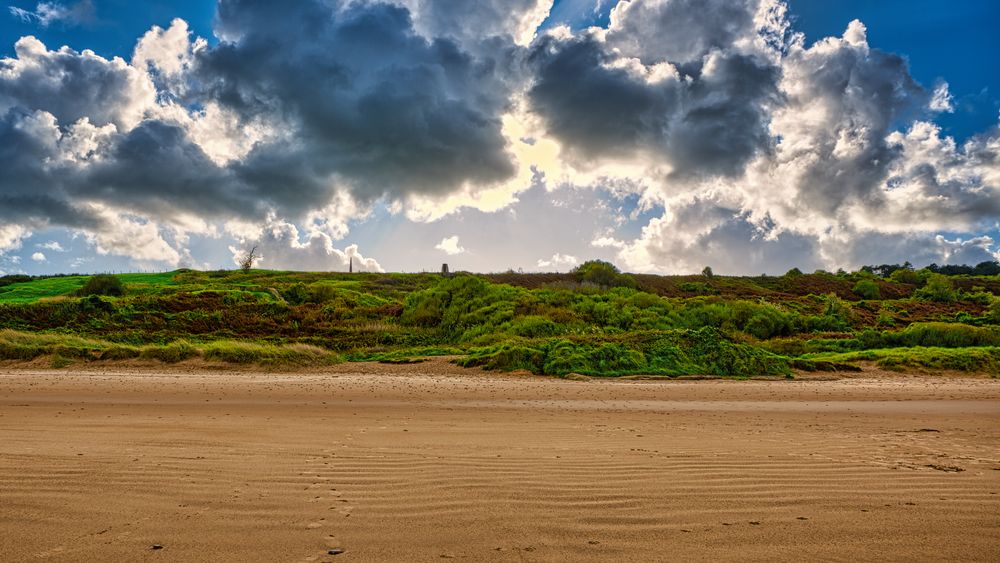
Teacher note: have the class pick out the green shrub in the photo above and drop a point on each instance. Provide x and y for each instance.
(296, 294)
(945, 335)
(905, 275)
(978, 295)
(506, 357)
(603, 274)
(565, 357)
(993, 311)
(533, 326)
(867, 289)
(102, 284)
(937, 288)
(698, 288)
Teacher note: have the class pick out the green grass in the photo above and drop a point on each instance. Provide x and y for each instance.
(972, 359)
(31, 292)
(67, 348)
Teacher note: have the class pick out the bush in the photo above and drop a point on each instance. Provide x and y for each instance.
(867, 289)
(938, 288)
(698, 287)
(603, 274)
(905, 275)
(605, 359)
(102, 284)
(943, 335)
(993, 311)
(533, 326)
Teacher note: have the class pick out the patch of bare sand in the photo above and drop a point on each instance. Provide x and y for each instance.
(423, 461)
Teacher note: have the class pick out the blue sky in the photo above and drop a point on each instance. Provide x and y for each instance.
(623, 218)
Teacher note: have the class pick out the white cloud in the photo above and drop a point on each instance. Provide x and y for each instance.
(558, 260)
(38, 257)
(47, 13)
(281, 246)
(133, 236)
(11, 237)
(942, 99)
(450, 246)
(52, 245)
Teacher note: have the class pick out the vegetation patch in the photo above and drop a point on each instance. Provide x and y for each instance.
(592, 321)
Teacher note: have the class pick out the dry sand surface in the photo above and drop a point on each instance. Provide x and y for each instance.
(424, 462)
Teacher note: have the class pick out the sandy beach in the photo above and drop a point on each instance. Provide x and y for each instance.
(428, 461)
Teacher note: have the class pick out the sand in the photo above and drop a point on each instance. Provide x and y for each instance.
(424, 462)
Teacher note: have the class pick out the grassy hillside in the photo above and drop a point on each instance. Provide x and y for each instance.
(594, 321)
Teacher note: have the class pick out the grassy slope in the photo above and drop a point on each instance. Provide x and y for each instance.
(546, 323)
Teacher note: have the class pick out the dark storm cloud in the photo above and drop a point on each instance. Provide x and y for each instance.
(595, 109)
(30, 192)
(372, 105)
(155, 169)
(725, 121)
(709, 118)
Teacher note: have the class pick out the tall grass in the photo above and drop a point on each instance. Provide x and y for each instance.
(972, 359)
(23, 346)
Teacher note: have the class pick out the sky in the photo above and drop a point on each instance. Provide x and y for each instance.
(751, 136)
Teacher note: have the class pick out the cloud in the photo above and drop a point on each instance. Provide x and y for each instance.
(366, 103)
(38, 257)
(47, 13)
(558, 260)
(472, 22)
(450, 246)
(11, 237)
(942, 100)
(280, 245)
(631, 92)
(734, 141)
(53, 246)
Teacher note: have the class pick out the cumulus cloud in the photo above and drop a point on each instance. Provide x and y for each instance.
(744, 147)
(471, 22)
(450, 246)
(53, 246)
(38, 257)
(644, 89)
(557, 261)
(280, 245)
(11, 237)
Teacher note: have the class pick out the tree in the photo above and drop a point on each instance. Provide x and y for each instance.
(707, 272)
(247, 260)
